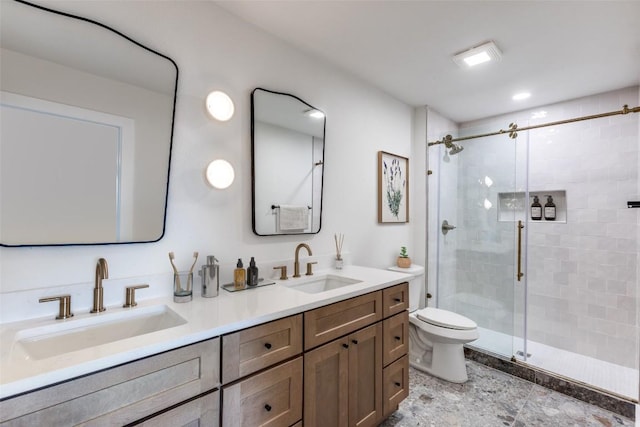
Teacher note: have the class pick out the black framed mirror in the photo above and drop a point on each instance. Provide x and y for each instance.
(287, 164)
(87, 125)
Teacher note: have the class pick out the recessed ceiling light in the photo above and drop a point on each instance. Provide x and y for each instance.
(477, 55)
(520, 96)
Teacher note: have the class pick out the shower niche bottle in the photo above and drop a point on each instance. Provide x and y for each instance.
(536, 209)
(550, 209)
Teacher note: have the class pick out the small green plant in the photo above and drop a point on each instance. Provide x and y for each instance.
(403, 252)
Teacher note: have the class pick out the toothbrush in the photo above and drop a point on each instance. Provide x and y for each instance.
(175, 270)
(195, 258)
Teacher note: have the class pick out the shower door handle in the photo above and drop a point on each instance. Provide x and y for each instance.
(520, 273)
(446, 227)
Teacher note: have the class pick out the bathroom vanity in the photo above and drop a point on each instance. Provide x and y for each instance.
(273, 355)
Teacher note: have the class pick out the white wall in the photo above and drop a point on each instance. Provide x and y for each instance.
(214, 50)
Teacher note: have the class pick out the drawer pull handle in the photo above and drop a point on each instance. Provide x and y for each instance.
(398, 384)
(397, 338)
(397, 299)
(354, 341)
(267, 407)
(345, 345)
(268, 346)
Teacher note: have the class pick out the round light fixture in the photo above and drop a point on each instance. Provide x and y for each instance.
(220, 174)
(220, 106)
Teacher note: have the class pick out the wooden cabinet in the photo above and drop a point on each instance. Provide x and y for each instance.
(256, 348)
(343, 381)
(395, 299)
(203, 411)
(359, 373)
(123, 394)
(333, 321)
(270, 398)
(396, 337)
(395, 387)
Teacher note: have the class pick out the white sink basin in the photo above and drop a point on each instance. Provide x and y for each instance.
(72, 335)
(315, 285)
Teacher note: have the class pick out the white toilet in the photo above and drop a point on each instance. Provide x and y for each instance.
(436, 337)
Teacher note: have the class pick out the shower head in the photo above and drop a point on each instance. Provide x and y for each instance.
(456, 149)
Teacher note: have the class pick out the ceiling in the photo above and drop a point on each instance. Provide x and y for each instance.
(557, 50)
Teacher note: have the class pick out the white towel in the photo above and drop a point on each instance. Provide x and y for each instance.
(293, 217)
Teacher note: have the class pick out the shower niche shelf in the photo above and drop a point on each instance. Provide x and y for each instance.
(512, 206)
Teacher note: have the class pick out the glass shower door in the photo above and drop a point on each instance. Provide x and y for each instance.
(481, 194)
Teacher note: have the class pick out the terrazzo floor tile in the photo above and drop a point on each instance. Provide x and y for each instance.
(493, 398)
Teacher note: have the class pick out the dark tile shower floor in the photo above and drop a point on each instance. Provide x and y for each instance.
(492, 398)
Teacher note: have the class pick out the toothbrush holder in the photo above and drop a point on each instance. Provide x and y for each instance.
(183, 286)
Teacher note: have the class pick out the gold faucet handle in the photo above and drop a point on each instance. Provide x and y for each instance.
(64, 312)
(131, 295)
(283, 271)
(310, 268)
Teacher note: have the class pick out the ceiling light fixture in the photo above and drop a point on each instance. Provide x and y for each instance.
(477, 55)
(520, 96)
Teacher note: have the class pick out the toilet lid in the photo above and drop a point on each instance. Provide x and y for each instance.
(445, 319)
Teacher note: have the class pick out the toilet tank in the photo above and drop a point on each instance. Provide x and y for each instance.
(416, 285)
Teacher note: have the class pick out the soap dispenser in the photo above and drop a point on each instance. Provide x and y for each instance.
(210, 273)
(252, 273)
(239, 275)
(550, 209)
(536, 209)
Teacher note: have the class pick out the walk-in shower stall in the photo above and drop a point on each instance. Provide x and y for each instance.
(554, 288)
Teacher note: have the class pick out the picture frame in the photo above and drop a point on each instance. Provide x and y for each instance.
(393, 188)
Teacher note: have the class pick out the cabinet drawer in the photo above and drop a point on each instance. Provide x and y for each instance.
(253, 349)
(270, 398)
(395, 299)
(332, 321)
(396, 337)
(122, 394)
(204, 411)
(395, 384)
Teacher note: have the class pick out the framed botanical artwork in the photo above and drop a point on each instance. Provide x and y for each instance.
(393, 188)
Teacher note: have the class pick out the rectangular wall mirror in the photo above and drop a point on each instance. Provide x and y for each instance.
(86, 119)
(287, 164)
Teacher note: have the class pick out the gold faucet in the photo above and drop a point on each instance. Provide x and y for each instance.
(296, 263)
(102, 272)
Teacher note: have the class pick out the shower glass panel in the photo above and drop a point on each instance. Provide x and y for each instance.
(481, 192)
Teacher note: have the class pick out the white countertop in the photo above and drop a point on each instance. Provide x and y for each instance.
(206, 318)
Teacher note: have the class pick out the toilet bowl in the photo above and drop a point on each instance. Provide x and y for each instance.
(436, 337)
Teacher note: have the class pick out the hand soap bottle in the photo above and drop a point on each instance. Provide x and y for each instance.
(536, 209)
(239, 275)
(550, 209)
(252, 273)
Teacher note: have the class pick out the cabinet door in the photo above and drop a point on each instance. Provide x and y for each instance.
(326, 385)
(365, 376)
(395, 299)
(396, 337)
(336, 320)
(122, 394)
(204, 411)
(253, 349)
(395, 384)
(271, 398)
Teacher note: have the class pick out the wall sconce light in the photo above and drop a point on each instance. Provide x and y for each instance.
(220, 174)
(220, 105)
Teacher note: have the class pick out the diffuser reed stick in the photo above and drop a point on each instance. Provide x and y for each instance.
(339, 238)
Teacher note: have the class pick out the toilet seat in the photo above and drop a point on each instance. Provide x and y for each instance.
(445, 319)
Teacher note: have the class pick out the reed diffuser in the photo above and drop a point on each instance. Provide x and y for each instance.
(339, 239)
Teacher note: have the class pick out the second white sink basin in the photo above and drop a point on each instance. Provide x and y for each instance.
(65, 337)
(324, 283)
